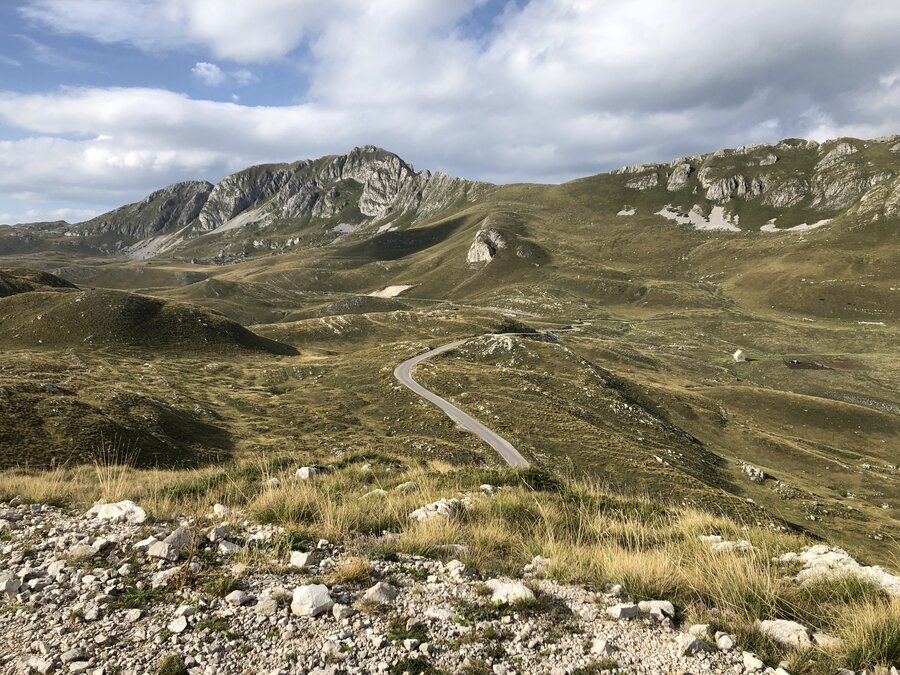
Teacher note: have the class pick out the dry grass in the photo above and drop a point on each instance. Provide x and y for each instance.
(592, 537)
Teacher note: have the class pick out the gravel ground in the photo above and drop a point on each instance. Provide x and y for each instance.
(81, 594)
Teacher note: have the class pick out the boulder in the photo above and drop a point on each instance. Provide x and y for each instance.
(508, 592)
(178, 625)
(724, 642)
(447, 508)
(688, 645)
(752, 664)
(82, 552)
(125, 511)
(303, 559)
(311, 600)
(659, 609)
(219, 532)
(381, 593)
(601, 647)
(306, 473)
(624, 610)
(786, 633)
(739, 356)
(238, 598)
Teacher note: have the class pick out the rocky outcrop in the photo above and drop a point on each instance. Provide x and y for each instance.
(678, 179)
(835, 155)
(375, 182)
(166, 210)
(486, 245)
(789, 193)
(643, 182)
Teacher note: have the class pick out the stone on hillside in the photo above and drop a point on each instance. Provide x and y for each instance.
(219, 532)
(755, 474)
(82, 552)
(266, 606)
(443, 507)
(658, 609)
(508, 592)
(38, 665)
(752, 664)
(273, 482)
(377, 492)
(238, 598)
(786, 633)
(826, 562)
(408, 486)
(739, 356)
(164, 577)
(303, 559)
(699, 629)
(724, 642)
(133, 615)
(602, 647)
(229, 548)
(306, 473)
(539, 565)
(341, 612)
(10, 585)
(163, 551)
(688, 645)
(624, 610)
(178, 625)
(489, 489)
(124, 511)
(381, 593)
(145, 544)
(71, 655)
(221, 511)
(439, 614)
(311, 600)
(826, 641)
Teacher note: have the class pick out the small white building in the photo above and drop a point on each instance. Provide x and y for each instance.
(739, 356)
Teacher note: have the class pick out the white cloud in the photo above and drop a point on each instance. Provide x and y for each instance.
(70, 214)
(208, 73)
(555, 89)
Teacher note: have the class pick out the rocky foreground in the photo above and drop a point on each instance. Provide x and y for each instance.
(110, 591)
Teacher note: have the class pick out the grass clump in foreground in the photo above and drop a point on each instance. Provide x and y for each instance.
(592, 536)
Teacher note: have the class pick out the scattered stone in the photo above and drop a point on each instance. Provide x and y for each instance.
(443, 507)
(124, 511)
(219, 532)
(178, 625)
(508, 592)
(827, 562)
(381, 593)
(659, 609)
(739, 356)
(82, 552)
(238, 598)
(786, 633)
(624, 610)
(602, 647)
(229, 548)
(688, 645)
(311, 600)
(538, 566)
(303, 559)
(724, 642)
(341, 612)
(752, 664)
(306, 473)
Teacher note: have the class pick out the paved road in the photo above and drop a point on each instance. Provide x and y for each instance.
(403, 373)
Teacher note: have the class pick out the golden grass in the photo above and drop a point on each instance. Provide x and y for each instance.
(592, 537)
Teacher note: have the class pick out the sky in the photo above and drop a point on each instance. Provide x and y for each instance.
(104, 101)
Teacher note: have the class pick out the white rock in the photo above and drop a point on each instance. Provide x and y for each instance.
(124, 511)
(439, 614)
(303, 559)
(238, 598)
(739, 356)
(10, 585)
(752, 664)
(311, 600)
(689, 645)
(443, 507)
(624, 610)
(786, 633)
(219, 532)
(657, 608)
(178, 625)
(826, 562)
(229, 548)
(725, 642)
(508, 592)
(601, 647)
(342, 611)
(221, 511)
(306, 473)
(381, 593)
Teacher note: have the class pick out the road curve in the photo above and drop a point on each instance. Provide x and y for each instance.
(504, 448)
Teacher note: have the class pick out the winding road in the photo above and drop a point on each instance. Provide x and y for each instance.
(504, 448)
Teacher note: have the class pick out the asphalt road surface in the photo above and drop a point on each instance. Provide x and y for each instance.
(403, 373)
